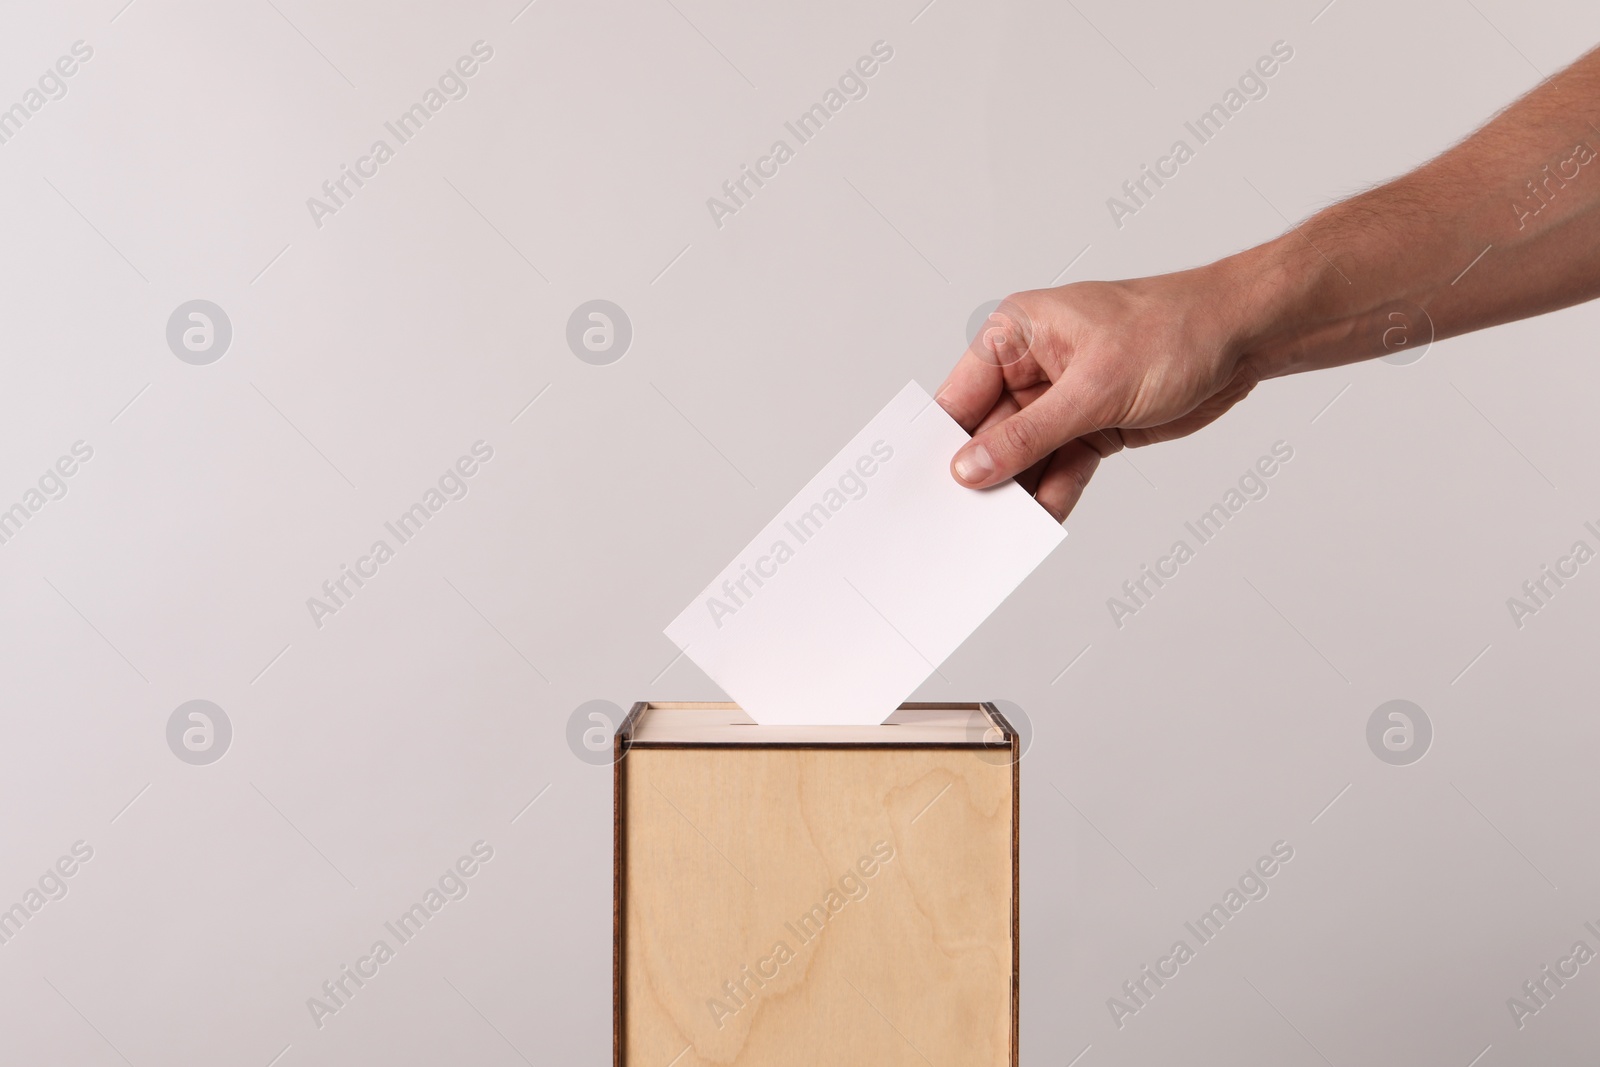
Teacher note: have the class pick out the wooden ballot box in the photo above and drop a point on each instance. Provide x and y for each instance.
(815, 895)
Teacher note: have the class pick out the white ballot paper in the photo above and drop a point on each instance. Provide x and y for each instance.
(868, 579)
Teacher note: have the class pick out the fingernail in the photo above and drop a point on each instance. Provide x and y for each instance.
(939, 399)
(974, 465)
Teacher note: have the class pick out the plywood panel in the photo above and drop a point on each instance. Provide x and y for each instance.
(809, 906)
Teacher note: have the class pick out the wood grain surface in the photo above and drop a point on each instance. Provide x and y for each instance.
(817, 906)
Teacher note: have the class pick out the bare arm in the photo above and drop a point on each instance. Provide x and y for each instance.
(1503, 226)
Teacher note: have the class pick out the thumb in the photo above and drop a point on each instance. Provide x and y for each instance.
(1013, 445)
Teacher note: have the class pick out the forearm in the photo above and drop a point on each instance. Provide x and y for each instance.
(1525, 187)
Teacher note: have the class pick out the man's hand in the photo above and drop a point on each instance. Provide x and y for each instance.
(1504, 225)
(1058, 379)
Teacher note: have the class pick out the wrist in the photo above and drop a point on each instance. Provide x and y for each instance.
(1292, 308)
(1265, 297)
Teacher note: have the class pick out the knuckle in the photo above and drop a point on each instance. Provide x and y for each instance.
(1018, 437)
(1016, 301)
(1106, 442)
(1081, 475)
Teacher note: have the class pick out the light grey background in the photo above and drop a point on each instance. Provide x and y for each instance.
(368, 354)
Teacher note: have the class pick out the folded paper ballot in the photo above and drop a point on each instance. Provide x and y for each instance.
(868, 579)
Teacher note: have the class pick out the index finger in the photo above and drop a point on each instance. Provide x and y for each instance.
(991, 364)
(971, 391)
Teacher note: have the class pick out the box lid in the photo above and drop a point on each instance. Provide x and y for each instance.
(712, 723)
